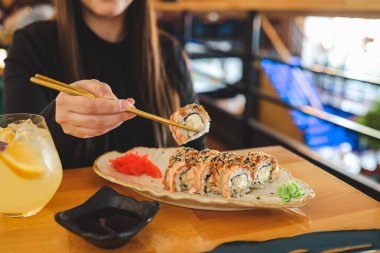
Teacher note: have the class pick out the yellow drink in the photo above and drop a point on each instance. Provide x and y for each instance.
(30, 169)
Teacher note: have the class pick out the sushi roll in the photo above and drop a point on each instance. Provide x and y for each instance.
(264, 167)
(223, 159)
(227, 157)
(210, 172)
(234, 180)
(201, 176)
(176, 175)
(182, 152)
(193, 116)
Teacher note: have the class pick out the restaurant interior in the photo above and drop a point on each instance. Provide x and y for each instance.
(288, 79)
(300, 76)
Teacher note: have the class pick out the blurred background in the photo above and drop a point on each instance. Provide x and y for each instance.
(301, 75)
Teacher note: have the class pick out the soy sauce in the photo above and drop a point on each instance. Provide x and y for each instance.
(108, 221)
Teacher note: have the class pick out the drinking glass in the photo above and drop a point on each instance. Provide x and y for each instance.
(30, 168)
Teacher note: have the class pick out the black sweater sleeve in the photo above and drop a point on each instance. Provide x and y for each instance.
(21, 64)
(25, 58)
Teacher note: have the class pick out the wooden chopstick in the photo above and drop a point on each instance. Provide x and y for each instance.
(348, 248)
(57, 85)
(337, 250)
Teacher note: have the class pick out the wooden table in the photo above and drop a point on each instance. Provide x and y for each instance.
(337, 206)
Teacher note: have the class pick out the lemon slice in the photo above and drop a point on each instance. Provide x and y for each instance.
(23, 159)
(6, 134)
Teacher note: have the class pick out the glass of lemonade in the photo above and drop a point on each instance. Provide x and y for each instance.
(30, 168)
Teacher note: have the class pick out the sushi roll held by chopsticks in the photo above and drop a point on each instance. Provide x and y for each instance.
(193, 116)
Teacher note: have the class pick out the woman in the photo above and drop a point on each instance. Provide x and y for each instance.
(117, 42)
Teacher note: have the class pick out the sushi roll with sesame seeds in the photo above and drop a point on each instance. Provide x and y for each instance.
(193, 116)
(201, 176)
(231, 178)
(264, 167)
(181, 162)
(222, 160)
(234, 180)
(182, 152)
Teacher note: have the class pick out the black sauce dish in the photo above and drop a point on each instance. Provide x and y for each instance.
(108, 219)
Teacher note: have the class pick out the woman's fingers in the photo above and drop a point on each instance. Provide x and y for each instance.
(85, 126)
(87, 116)
(84, 132)
(94, 106)
(105, 103)
(97, 121)
(82, 123)
(99, 89)
(131, 101)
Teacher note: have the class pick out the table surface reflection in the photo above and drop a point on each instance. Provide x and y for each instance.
(337, 206)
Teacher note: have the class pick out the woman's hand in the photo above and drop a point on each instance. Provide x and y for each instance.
(86, 117)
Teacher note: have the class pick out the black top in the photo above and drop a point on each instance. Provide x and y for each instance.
(35, 50)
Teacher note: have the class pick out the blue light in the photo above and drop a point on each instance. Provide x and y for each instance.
(297, 88)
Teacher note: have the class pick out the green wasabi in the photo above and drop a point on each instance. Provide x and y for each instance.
(289, 190)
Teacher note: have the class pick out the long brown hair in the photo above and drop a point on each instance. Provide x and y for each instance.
(158, 93)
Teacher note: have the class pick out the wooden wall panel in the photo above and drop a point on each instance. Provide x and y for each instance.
(274, 116)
